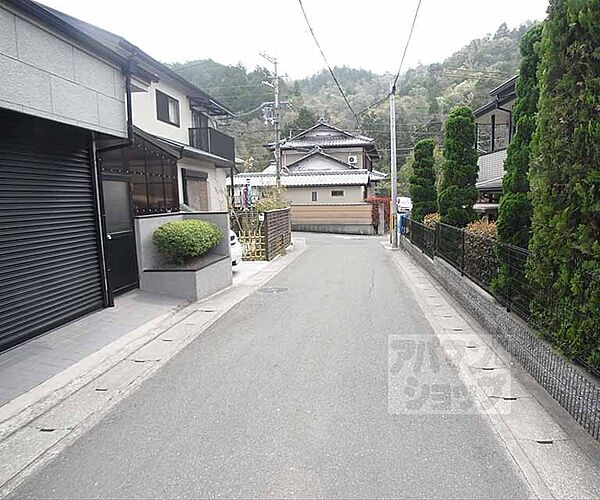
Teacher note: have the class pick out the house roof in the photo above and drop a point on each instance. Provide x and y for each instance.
(502, 94)
(127, 49)
(490, 185)
(180, 150)
(355, 177)
(337, 138)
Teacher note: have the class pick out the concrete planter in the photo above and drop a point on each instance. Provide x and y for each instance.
(193, 281)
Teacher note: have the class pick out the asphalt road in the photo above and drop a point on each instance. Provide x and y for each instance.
(288, 396)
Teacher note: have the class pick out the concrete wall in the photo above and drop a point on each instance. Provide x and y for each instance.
(190, 284)
(352, 194)
(45, 75)
(563, 380)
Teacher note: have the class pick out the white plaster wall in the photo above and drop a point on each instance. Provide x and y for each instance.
(45, 75)
(352, 194)
(145, 116)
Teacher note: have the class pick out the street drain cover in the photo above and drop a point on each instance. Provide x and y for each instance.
(272, 289)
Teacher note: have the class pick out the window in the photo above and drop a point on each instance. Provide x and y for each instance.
(314, 196)
(167, 108)
(336, 193)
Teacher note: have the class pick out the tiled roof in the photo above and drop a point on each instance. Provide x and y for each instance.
(330, 178)
(326, 142)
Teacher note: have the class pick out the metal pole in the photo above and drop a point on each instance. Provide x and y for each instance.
(277, 130)
(393, 168)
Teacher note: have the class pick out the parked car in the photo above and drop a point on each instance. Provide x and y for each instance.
(236, 248)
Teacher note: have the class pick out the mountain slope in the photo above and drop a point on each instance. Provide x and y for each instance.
(425, 95)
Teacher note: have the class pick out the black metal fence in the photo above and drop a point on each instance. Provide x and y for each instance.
(481, 259)
(501, 270)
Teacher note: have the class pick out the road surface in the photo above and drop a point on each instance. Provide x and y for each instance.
(287, 395)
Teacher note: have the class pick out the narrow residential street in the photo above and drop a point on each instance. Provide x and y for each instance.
(287, 396)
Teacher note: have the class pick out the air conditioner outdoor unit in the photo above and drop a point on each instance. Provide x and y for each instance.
(352, 159)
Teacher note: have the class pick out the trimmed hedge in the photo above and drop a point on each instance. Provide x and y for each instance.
(457, 193)
(564, 261)
(182, 240)
(422, 181)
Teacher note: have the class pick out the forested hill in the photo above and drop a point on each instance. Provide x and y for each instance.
(426, 93)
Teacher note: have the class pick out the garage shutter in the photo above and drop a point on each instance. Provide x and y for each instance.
(49, 259)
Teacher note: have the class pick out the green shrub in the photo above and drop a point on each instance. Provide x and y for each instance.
(422, 181)
(182, 240)
(480, 258)
(564, 262)
(457, 193)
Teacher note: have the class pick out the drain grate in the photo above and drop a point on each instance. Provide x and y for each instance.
(273, 289)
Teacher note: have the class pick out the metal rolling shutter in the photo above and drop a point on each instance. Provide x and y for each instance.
(49, 258)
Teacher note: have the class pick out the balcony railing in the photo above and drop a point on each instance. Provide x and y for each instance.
(212, 141)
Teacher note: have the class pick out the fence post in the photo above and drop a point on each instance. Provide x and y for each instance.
(462, 256)
(436, 239)
(510, 278)
(266, 236)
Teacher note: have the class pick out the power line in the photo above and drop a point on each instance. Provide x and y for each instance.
(412, 28)
(393, 88)
(328, 65)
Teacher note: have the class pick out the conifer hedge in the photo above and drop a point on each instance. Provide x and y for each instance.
(514, 218)
(564, 265)
(457, 190)
(422, 181)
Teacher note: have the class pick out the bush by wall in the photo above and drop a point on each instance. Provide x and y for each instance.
(182, 240)
(564, 261)
(457, 192)
(422, 180)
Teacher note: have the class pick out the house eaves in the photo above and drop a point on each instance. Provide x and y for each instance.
(180, 150)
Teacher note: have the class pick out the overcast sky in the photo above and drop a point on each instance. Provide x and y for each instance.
(366, 34)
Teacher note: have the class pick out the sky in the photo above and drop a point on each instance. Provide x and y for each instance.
(369, 34)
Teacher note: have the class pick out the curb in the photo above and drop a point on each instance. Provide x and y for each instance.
(41, 423)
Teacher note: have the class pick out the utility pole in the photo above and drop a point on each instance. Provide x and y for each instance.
(393, 168)
(276, 120)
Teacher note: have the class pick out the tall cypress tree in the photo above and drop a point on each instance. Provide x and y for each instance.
(457, 191)
(514, 218)
(422, 181)
(564, 260)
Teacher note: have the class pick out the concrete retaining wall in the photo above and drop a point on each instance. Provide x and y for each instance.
(157, 277)
(335, 228)
(575, 389)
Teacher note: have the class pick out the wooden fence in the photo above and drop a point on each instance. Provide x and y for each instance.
(346, 217)
(263, 236)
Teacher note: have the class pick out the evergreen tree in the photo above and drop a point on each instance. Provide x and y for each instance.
(306, 118)
(514, 219)
(457, 191)
(422, 181)
(564, 263)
